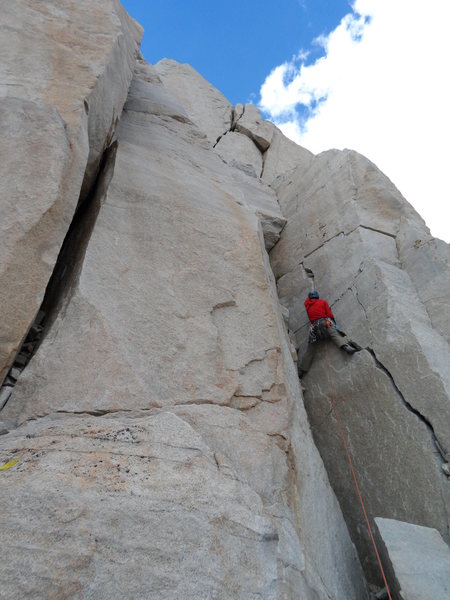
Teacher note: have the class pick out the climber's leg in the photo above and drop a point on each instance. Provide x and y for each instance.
(307, 359)
(341, 341)
(337, 339)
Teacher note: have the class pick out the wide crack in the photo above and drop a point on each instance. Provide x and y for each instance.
(66, 272)
(408, 406)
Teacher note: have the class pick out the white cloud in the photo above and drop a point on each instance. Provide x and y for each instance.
(382, 88)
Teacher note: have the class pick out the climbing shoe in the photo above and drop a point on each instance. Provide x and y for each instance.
(348, 349)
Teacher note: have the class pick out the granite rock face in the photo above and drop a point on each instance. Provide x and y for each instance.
(160, 424)
(238, 133)
(350, 226)
(155, 443)
(235, 148)
(65, 72)
(417, 559)
(206, 106)
(144, 504)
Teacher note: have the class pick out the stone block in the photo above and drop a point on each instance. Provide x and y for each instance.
(239, 151)
(348, 223)
(417, 560)
(251, 124)
(65, 72)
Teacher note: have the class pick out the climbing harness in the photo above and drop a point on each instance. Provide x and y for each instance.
(341, 430)
(319, 330)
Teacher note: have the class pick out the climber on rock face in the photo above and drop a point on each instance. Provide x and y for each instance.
(323, 326)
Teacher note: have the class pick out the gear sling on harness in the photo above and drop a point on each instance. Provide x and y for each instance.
(318, 330)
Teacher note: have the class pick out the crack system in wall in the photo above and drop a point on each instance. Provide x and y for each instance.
(264, 158)
(262, 147)
(233, 122)
(66, 272)
(408, 406)
(70, 260)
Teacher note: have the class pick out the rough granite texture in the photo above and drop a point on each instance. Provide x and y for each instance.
(233, 145)
(162, 438)
(65, 71)
(156, 445)
(206, 106)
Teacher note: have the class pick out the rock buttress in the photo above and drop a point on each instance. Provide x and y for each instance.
(161, 423)
(66, 69)
(348, 223)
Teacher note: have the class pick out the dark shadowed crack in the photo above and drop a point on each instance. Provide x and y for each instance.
(408, 406)
(223, 304)
(391, 235)
(67, 268)
(100, 412)
(233, 122)
(237, 117)
(220, 137)
(248, 133)
(379, 365)
(264, 157)
(328, 240)
(343, 233)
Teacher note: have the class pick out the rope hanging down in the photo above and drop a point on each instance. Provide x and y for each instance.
(341, 430)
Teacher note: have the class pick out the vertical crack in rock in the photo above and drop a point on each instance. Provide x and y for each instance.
(237, 117)
(66, 272)
(70, 259)
(233, 121)
(220, 137)
(264, 157)
(408, 406)
(248, 132)
(22, 357)
(68, 266)
(354, 290)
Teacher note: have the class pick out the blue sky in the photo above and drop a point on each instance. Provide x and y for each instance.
(234, 44)
(370, 75)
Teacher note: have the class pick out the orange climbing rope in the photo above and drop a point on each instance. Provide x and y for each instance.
(341, 430)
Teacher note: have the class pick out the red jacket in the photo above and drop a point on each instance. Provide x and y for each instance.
(318, 309)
